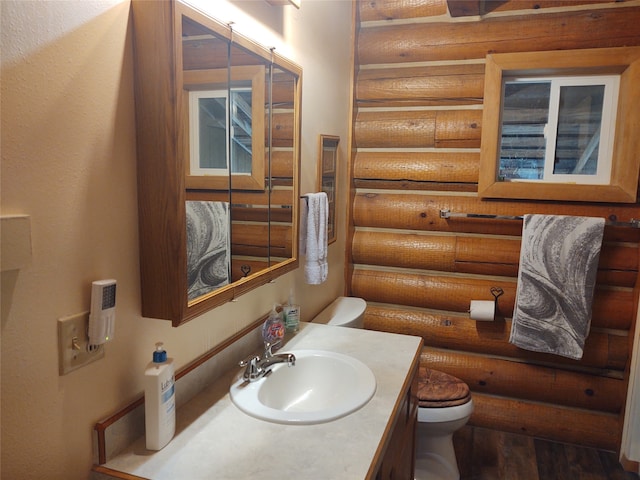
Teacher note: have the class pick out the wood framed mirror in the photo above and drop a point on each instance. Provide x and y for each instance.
(327, 178)
(216, 206)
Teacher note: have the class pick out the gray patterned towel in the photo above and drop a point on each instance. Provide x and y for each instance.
(557, 275)
(208, 247)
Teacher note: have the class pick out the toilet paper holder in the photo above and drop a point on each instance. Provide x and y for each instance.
(496, 292)
(485, 309)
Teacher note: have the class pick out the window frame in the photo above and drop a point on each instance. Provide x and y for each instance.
(625, 161)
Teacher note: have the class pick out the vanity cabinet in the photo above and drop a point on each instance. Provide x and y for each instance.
(373, 442)
(398, 461)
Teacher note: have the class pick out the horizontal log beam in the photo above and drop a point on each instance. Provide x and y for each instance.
(418, 129)
(412, 185)
(250, 234)
(602, 351)
(618, 265)
(524, 381)
(417, 166)
(559, 424)
(281, 163)
(611, 308)
(249, 214)
(400, 250)
(422, 212)
(439, 85)
(537, 5)
(399, 9)
(422, 42)
(283, 91)
(282, 129)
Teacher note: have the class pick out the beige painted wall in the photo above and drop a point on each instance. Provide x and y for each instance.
(68, 161)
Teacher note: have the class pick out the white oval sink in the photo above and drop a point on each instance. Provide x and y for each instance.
(322, 386)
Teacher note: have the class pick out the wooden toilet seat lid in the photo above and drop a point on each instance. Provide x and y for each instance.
(439, 389)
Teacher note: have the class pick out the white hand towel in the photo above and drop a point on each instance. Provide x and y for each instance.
(313, 237)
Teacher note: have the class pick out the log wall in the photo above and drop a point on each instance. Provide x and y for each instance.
(417, 123)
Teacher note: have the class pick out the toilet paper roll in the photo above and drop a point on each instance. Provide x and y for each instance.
(482, 310)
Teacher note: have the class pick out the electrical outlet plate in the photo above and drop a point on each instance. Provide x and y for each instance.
(73, 343)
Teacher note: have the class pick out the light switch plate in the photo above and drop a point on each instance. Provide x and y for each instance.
(73, 343)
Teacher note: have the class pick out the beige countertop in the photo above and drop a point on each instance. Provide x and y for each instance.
(214, 439)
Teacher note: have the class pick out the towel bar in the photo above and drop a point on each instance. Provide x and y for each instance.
(445, 213)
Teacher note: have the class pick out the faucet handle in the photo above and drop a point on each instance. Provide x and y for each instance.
(251, 364)
(249, 360)
(268, 348)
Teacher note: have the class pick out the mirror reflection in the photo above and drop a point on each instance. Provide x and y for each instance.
(240, 176)
(327, 176)
(282, 196)
(250, 205)
(218, 157)
(208, 216)
(210, 154)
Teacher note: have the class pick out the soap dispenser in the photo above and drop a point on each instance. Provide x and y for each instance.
(273, 327)
(291, 313)
(159, 400)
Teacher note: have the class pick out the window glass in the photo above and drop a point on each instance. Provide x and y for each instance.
(212, 132)
(578, 133)
(557, 129)
(525, 115)
(241, 153)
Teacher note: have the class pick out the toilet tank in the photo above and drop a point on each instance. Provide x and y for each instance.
(343, 312)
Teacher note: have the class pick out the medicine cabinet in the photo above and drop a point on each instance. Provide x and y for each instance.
(218, 155)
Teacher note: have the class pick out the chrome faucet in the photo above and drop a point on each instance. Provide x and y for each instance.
(256, 367)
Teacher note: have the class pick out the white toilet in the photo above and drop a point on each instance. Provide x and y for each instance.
(444, 406)
(445, 403)
(343, 312)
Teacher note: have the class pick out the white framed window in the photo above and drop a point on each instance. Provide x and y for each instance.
(208, 132)
(211, 127)
(558, 129)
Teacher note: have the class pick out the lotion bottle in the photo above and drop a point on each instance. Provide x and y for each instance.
(159, 400)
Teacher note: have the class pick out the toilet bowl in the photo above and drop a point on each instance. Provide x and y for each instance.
(343, 312)
(444, 406)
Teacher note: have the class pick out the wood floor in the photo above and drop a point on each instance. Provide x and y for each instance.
(485, 454)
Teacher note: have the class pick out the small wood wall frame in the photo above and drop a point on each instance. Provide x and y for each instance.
(327, 179)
